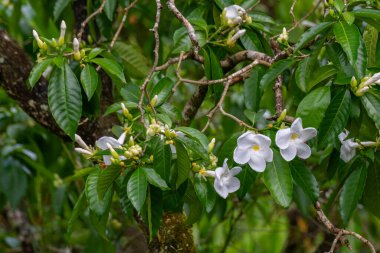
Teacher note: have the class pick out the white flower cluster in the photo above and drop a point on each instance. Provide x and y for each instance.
(233, 16)
(365, 85)
(349, 146)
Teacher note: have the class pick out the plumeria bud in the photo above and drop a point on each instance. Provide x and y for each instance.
(81, 142)
(361, 91)
(373, 79)
(37, 38)
(353, 83)
(234, 15)
(128, 154)
(44, 46)
(211, 146)
(131, 142)
(61, 39)
(125, 110)
(113, 151)
(283, 38)
(82, 53)
(53, 42)
(153, 102)
(282, 116)
(77, 55)
(232, 40)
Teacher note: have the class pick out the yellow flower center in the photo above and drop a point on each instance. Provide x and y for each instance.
(294, 136)
(256, 147)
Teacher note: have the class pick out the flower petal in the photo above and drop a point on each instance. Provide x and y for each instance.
(347, 152)
(219, 172)
(308, 133)
(241, 156)
(102, 142)
(262, 140)
(303, 150)
(107, 159)
(220, 189)
(257, 163)
(234, 171)
(233, 185)
(268, 154)
(296, 126)
(122, 138)
(246, 140)
(283, 138)
(343, 135)
(289, 153)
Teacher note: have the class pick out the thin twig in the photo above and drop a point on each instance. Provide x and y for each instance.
(240, 122)
(187, 24)
(292, 11)
(88, 19)
(124, 18)
(296, 24)
(156, 56)
(339, 232)
(333, 245)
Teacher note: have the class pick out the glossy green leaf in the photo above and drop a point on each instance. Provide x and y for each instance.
(155, 179)
(247, 178)
(194, 146)
(352, 190)
(111, 67)
(313, 107)
(335, 119)
(163, 90)
(370, 38)
(371, 193)
(348, 36)
(195, 210)
(89, 80)
(183, 164)
(162, 159)
(275, 70)
(194, 134)
(205, 193)
(109, 8)
(371, 16)
(131, 93)
(252, 92)
(319, 75)
(304, 71)
(349, 17)
(65, 99)
(311, 34)
(37, 71)
(305, 179)
(59, 6)
(79, 208)
(137, 188)
(95, 52)
(106, 178)
(371, 103)
(98, 206)
(278, 179)
(155, 211)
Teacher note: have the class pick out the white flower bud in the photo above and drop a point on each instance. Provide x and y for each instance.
(211, 145)
(374, 79)
(76, 45)
(153, 102)
(232, 40)
(113, 151)
(61, 39)
(39, 41)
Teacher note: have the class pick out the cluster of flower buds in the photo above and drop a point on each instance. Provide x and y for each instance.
(154, 128)
(234, 15)
(234, 35)
(126, 112)
(134, 150)
(43, 46)
(284, 36)
(365, 85)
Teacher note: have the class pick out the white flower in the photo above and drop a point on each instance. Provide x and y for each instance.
(253, 149)
(374, 79)
(283, 36)
(234, 15)
(225, 180)
(84, 149)
(106, 141)
(235, 36)
(348, 148)
(291, 141)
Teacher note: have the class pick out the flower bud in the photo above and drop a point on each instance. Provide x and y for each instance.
(360, 92)
(53, 42)
(131, 142)
(113, 151)
(37, 38)
(77, 55)
(61, 39)
(353, 83)
(234, 15)
(232, 40)
(282, 116)
(153, 102)
(211, 146)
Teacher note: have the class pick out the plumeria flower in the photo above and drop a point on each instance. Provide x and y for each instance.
(253, 149)
(234, 15)
(225, 180)
(348, 148)
(106, 142)
(291, 141)
(84, 148)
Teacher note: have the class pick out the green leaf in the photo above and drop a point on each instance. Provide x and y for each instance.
(252, 93)
(162, 89)
(348, 36)
(247, 178)
(311, 34)
(117, 107)
(131, 93)
(319, 75)
(59, 6)
(339, 5)
(227, 150)
(195, 135)
(183, 164)
(370, 38)
(305, 179)
(195, 210)
(106, 178)
(352, 190)
(111, 67)
(349, 17)
(205, 193)
(79, 208)
(98, 206)
(371, 103)
(216, 73)
(109, 8)
(155, 179)
(155, 201)
(137, 188)
(361, 63)
(335, 118)
(37, 71)
(371, 194)
(278, 179)
(89, 80)
(304, 71)
(313, 107)
(371, 16)
(65, 99)
(162, 159)
(95, 52)
(134, 62)
(194, 146)
(275, 70)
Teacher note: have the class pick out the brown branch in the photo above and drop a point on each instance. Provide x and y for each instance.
(278, 95)
(15, 67)
(193, 104)
(339, 232)
(88, 19)
(187, 24)
(123, 19)
(156, 56)
(292, 11)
